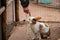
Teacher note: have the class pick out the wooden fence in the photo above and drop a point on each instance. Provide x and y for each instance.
(9, 14)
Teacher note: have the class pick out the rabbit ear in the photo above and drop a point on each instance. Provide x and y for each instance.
(38, 18)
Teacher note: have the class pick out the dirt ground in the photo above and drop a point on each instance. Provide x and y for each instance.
(47, 14)
(24, 32)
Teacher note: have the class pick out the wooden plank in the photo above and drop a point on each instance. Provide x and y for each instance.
(4, 24)
(59, 39)
(16, 10)
(1, 10)
(4, 18)
(9, 2)
(0, 3)
(0, 29)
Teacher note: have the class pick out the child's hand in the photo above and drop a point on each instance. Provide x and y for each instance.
(26, 10)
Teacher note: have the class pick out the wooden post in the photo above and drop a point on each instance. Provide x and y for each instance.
(4, 25)
(4, 17)
(16, 10)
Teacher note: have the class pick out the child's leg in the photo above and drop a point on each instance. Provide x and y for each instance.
(27, 15)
